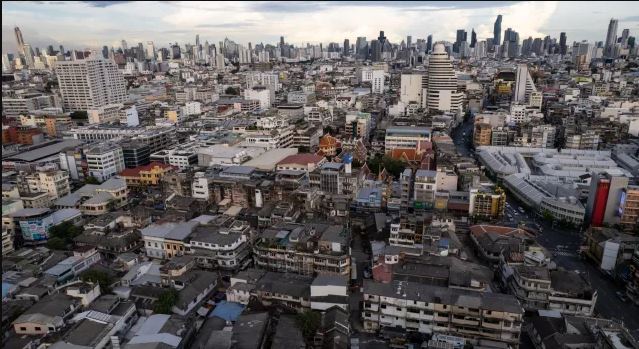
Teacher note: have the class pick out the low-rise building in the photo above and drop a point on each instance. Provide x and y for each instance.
(433, 309)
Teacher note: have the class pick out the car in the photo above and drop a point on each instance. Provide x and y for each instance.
(621, 296)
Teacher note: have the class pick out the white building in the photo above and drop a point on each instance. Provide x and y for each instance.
(91, 83)
(377, 81)
(524, 85)
(268, 80)
(328, 291)
(441, 89)
(261, 94)
(411, 88)
(406, 137)
(129, 116)
(105, 160)
(190, 108)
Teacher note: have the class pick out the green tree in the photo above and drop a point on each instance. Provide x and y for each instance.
(56, 243)
(62, 235)
(309, 321)
(547, 216)
(91, 180)
(166, 301)
(232, 91)
(79, 114)
(393, 166)
(101, 277)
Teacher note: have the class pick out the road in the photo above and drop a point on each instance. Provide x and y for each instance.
(566, 242)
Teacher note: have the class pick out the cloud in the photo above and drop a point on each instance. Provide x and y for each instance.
(631, 19)
(103, 4)
(227, 25)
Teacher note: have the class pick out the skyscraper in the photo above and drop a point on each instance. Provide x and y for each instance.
(562, 43)
(497, 31)
(624, 37)
(441, 88)
(150, 50)
(473, 38)
(90, 83)
(197, 39)
(124, 45)
(511, 43)
(376, 51)
(105, 52)
(461, 37)
(19, 39)
(347, 47)
(429, 43)
(361, 47)
(409, 41)
(611, 37)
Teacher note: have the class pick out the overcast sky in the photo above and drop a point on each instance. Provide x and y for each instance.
(92, 24)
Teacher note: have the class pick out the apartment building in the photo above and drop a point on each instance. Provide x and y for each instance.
(304, 249)
(90, 83)
(222, 244)
(538, 288)
(487, 204)
(105, 160)
(46, 179)
(442, 310)
(406, 137)
(142, 176)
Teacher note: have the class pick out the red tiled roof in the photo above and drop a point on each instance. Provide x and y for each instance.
(302, 158)
(133, 172)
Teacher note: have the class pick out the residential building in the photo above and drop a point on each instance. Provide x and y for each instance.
(90, 83)
(105, 160)
(441, 310)
(149, 175)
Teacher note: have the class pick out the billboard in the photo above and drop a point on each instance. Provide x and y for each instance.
(622, 203)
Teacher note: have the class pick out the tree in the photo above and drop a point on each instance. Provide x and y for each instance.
(232, 91)
(393, 166)
(91, 180)
(308, 321)
(101, 277)
(79, 114)
(56, 243)
(166, 301)
(547, 216)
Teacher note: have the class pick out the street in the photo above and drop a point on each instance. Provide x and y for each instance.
(566, 244)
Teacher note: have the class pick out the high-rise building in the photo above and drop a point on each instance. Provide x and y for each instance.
(624, 37)
(376, 51)
(473, 38)
(378, 81)
(611, 37)
(105, 52)
(347, 47)
(197, 39)
(28, 55)
(441, 91)
(19, 39)
(150, 50)
(524, 85)
(562, 43)
(124, 45)
(429, 43)
(497, 31)
(90, 83)
(511, 43)
(461, 37)
(411, 88)
(361, 47)
(409, 41)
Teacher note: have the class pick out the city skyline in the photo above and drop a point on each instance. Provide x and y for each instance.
(109, 22)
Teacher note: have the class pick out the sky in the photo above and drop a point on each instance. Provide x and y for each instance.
(92, 24)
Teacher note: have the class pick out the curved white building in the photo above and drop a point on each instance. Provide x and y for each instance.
(441, 88)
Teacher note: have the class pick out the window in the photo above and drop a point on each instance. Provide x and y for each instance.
(38, 328)
(23, 328)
